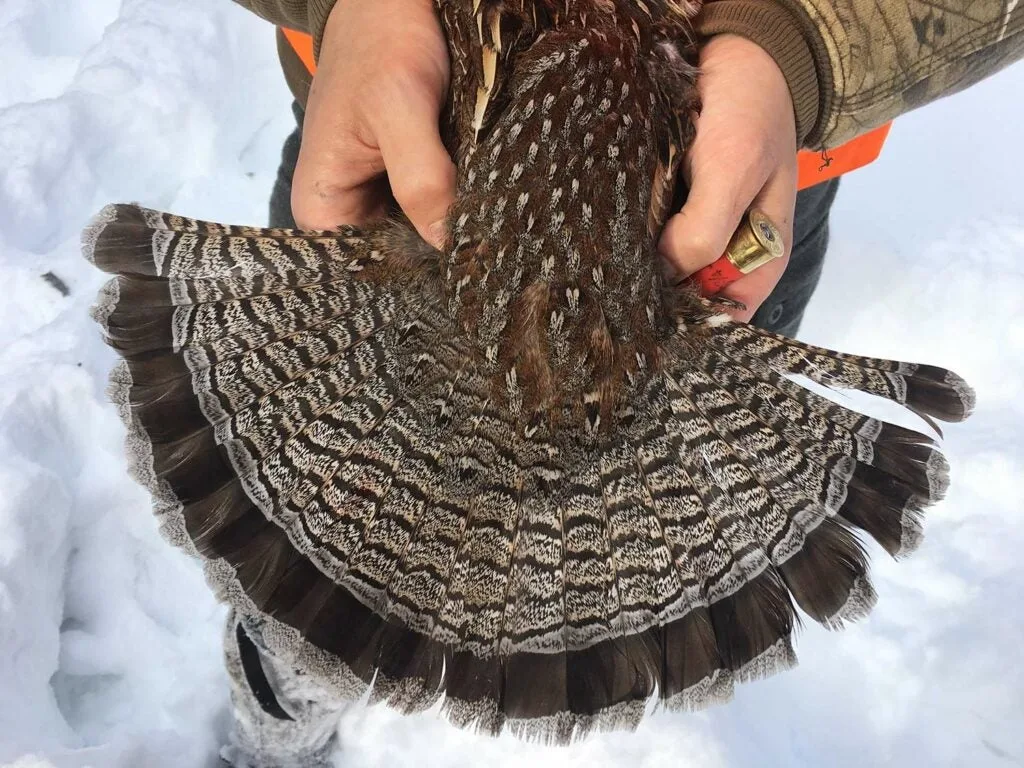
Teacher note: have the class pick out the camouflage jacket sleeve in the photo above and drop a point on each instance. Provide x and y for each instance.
(304, 15)
(855, 64)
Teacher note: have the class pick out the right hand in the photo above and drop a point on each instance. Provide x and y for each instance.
(744, 156)
(373, 109)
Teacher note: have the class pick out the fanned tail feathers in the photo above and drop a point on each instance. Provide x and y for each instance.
(316, 429)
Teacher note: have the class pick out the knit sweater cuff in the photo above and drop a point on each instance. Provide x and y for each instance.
(780, 34)
(319, 10)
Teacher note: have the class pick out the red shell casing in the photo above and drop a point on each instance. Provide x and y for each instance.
(716, 276)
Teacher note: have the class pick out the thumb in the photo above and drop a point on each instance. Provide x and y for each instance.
(700, 232)
(421, 173)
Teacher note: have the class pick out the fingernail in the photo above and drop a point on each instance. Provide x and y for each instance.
(435, 234)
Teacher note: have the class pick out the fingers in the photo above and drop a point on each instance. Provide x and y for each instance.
(339, 180)
(744, 156)
(700, 232)
(421, 173)
(326, 193)
(338, 177)
(776, 200)
(372, 117)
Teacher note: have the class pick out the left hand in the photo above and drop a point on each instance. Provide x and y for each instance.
(373, 110)
(744, 156)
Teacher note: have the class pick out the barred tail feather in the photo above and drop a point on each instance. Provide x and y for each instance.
(925, 389)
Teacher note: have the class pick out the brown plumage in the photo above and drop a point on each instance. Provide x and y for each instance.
(522, 473)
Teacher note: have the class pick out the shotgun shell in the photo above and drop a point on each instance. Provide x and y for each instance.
(756, 242)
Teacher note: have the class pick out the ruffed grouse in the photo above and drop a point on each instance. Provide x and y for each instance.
(523, 473)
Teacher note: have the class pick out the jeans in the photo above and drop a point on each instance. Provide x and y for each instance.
(781, 312)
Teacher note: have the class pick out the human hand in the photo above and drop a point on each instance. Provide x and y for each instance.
(744, 156)
(381, 79)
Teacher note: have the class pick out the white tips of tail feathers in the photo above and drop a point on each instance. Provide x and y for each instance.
(964, 391)
(911, 536)
(138, 445)
(719, 687)
(937, 472)
(106, 301)
(859, 602)
(92, 231)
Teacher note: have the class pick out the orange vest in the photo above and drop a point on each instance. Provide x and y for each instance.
(814, 167)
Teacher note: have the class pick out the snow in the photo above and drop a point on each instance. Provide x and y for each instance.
(109, 640)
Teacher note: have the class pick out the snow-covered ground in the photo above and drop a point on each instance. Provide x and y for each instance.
(109, 640)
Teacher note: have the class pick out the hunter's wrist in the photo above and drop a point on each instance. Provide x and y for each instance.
(780, 33)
